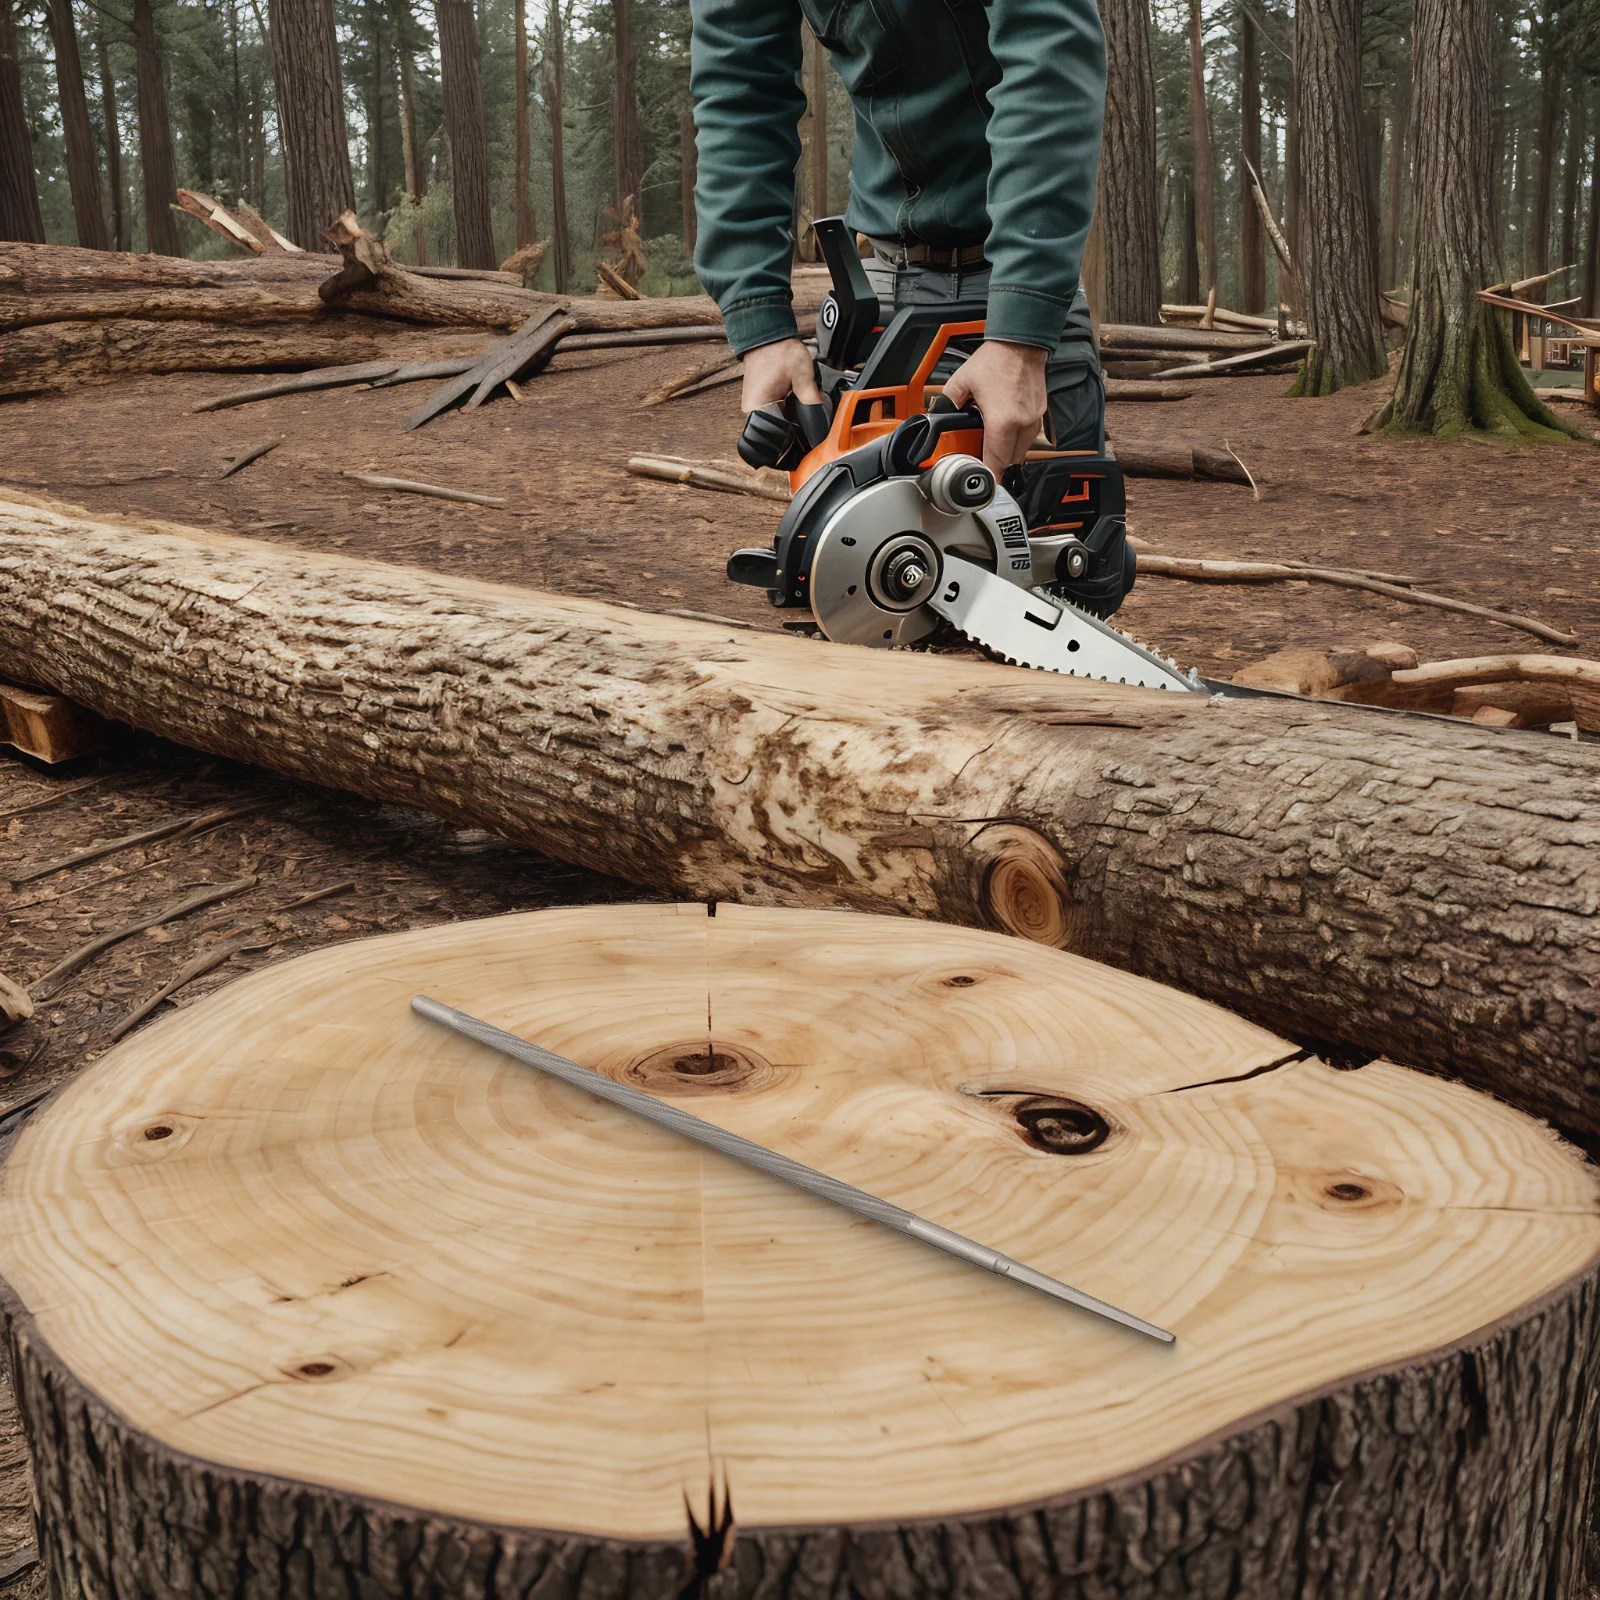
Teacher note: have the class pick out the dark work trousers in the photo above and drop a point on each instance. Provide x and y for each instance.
(1072, 375)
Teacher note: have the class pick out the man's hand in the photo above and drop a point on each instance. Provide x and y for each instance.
(772, 372)
(1006, 383)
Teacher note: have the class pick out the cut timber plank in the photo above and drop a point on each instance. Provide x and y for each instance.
(1335, 872)
(374, 1278)
(47, 726)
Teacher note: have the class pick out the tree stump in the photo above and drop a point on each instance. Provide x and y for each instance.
(310, 1297)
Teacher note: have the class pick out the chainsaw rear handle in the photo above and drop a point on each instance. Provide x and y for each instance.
(780, 435)
(907, 449)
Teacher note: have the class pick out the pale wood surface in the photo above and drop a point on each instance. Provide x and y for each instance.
(369, 1254)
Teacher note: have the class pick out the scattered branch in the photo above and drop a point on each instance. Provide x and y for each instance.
(245, 457)
(184, 827)
(721, 475)
(300, 383)
(614, 280)
(436, 491)
(727, 364)
(1290, 350)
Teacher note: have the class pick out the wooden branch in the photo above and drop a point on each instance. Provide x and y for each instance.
(614, 280)
(1530, 308)
(1175, 461)
(1186, 837)
(268, 237)
(207, 961)
(252, 1254)
(1280, 246)
(185, 826)
(1194, 570)
(254, 453)
(434, 490)
(727, 476)
(53, 799)
(191, 203)
(1291, 350)
(1126, 336)
(52, 981)
(300, 383)
(528, 349)
(1134, 389)
(727, 363)
(1223, 317)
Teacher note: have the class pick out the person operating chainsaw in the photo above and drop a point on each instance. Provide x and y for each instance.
(977, 141)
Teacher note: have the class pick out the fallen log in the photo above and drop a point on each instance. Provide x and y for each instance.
(1283, 354)
(1132, 336)
(448, 1317)
(55, 283)
(1409, 886)
(1180, 461)
(1133, 389)
(1195, 569)
(63, 355)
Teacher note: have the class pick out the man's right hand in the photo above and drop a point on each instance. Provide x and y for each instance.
(772, 372)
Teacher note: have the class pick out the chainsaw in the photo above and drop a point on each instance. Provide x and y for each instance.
(896, 529)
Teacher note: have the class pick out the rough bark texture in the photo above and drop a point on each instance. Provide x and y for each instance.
(108, 116)
(51, 283)
(527, 228)
(83, 166)
(19, 194)
(316, 156)
(1335, 258)
(1399, 167)
(1205, 173)
(560, 242)
(155, 136)
(62, 355)
(469, 142)
(1415, 887)
(627, 142)
(1127, 197)
(1458, 369)
(1252, 246)
(1475, 1464)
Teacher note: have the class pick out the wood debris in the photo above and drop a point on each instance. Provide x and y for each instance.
(436, 491)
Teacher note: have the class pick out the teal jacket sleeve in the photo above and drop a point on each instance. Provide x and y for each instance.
(1044, 153)
(744, 73)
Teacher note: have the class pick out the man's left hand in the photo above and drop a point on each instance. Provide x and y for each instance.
(1006, 383)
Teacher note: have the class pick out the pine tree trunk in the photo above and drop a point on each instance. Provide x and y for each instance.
(316, 156)
(155, 136)
(469, 139)
(527, 227)
(1458, 369)
(83, 165)
(416, 175)
(627, 149)
(19, 194)
(1338, 272)
(689, 169)
(108, 112)
(1538, 254)
(1188, 286)
(1572, 176)
(1205, 175)
(560, 240)
(1399, 169)
(1252, 244)
(1126, 206)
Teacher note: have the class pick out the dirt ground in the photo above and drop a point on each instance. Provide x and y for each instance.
(1513, 528)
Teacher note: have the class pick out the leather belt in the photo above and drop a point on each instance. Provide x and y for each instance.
(943, 258)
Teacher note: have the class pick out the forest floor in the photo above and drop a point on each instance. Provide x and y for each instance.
(1516, 528)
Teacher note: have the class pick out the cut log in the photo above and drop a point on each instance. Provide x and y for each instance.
(1133, 389)
(391, 1314)
(1180, 461)
(48, 727)
(1405, 885)
(62, 355)
(1120, 336)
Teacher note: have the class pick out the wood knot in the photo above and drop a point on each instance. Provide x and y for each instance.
(318, 1369)
(1060, 1126)
(140, 1140)
(1353, 1191)
(1020, 884)
(700, 1066)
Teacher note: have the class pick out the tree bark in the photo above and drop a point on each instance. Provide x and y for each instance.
(527, 228)
(1252, 246)
(83, 165)
(20, 217)
(1205, 172)
(1188, 286)
(1126, 207)
(108, 111)
(316, 154)
(155, 135)
(312, 1372)
(560, 242)
(469, 139)
(1338, 271)
(1223, 846)
(1399, 168)
(627, 141)
(1457, 369)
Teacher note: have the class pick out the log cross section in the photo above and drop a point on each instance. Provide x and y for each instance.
(1396, 884)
